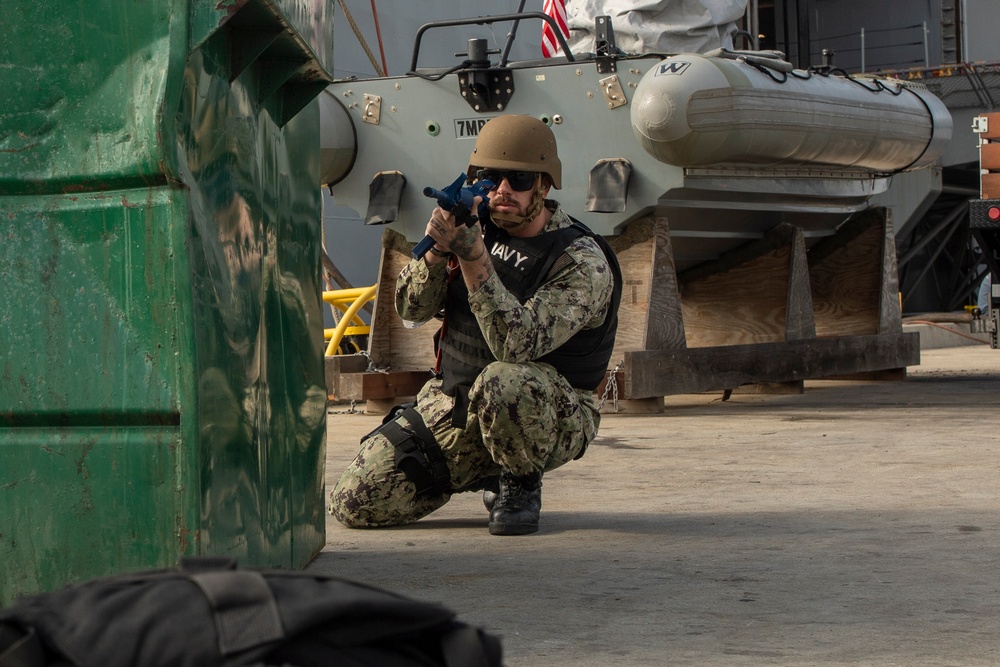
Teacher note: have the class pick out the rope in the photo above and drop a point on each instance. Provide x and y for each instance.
(361, 39)
(948, 329)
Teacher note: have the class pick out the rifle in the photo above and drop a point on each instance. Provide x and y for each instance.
(459, 201)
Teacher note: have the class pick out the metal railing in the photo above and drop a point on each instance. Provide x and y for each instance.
(958, 85)
(348, 302)
(906, 46)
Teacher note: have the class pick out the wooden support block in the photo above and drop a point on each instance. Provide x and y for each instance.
(339, 364)
(664, 317)
(757, 293)
(377, 386)
(650, 312)
(662, 373)
(391, 344)
(890, 306)
(347, 363)
(650, 315)
(855, 289)
(799, 321)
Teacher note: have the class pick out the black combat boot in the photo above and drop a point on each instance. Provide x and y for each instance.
(516, 509)
(490, 493)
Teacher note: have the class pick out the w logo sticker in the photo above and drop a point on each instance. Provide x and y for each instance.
(673, 67)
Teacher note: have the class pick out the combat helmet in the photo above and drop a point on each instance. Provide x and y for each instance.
(517, 142)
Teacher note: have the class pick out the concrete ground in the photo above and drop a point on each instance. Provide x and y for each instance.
(854, 524)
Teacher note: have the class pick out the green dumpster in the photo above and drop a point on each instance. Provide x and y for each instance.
(161, 369)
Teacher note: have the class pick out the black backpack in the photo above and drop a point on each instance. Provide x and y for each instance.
(208, 613)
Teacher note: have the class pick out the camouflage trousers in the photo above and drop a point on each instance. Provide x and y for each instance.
(522, 417)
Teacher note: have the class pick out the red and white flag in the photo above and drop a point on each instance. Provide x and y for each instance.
(550, 43)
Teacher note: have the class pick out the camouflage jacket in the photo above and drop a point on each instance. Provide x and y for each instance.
(573, 298)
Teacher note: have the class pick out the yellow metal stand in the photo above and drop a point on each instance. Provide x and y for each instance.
(348, 302)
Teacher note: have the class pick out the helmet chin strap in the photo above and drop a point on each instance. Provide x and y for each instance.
(537, 203)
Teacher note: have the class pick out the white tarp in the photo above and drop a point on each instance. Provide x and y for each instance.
(657, 26)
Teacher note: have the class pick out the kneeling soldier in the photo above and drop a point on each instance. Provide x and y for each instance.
(529, 306)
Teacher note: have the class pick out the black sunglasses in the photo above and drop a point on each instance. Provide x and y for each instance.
(519, 180)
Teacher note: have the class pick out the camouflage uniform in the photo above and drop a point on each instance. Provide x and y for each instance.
(523, 416)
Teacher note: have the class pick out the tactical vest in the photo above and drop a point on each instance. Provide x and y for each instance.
(522, 265)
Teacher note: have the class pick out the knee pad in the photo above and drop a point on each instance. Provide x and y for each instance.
(417, 454)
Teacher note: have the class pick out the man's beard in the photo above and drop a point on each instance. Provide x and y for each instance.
(507, 220)
(511, 221)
